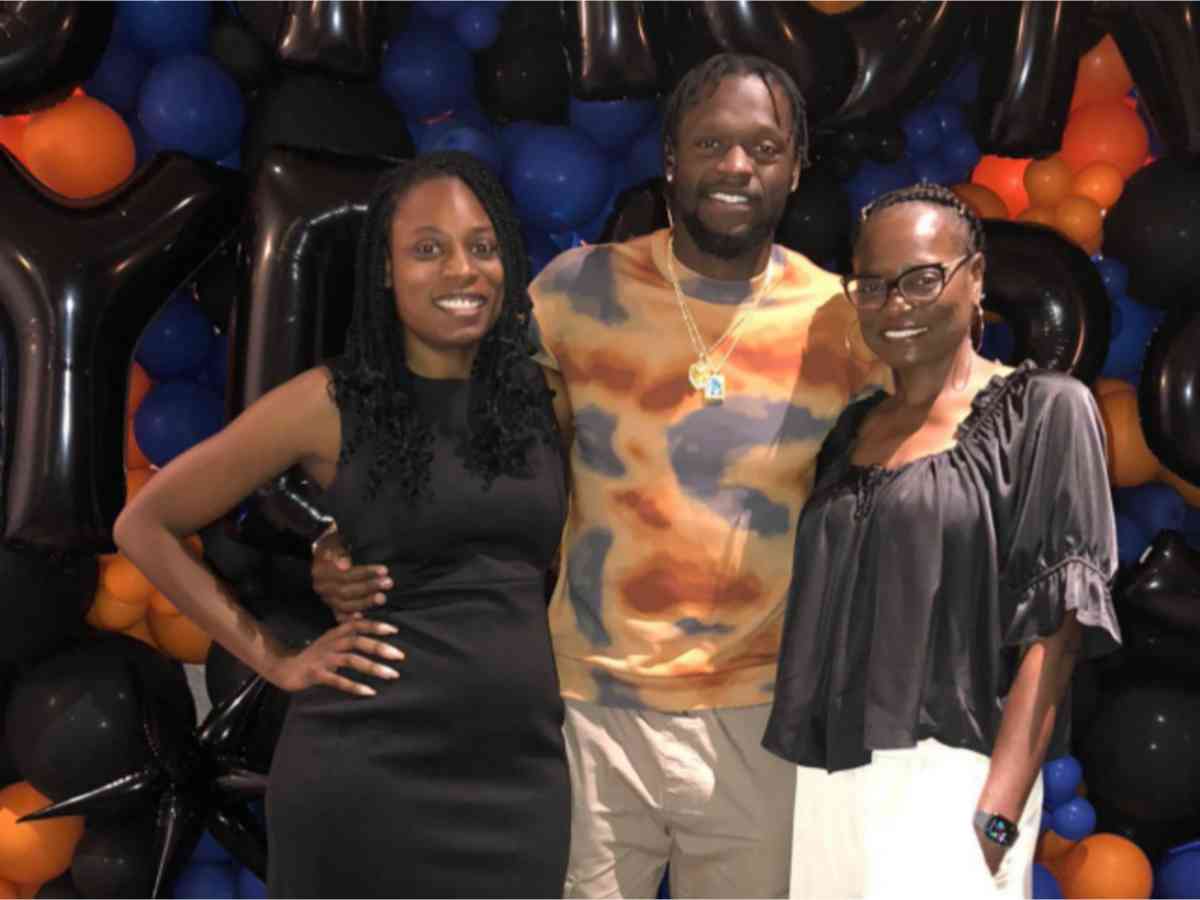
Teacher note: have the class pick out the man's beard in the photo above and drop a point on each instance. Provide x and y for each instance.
(727, 246)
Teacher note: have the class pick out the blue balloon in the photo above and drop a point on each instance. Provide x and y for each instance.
(1127, 347)
(1047, 819)
(1114, 275)
(998, 341)
(427, 72)
(961, 154)
(539, 249)
(209, 851)
(1178, 875)
(1132, 540)
(933, 169)
(1045, 885)
(963, 85)
(559, 178)
(1060, 778)
(437, 9)
(200, 880)
(165, 28)
(1075, 819)
(215, 370)
(645, 160)
(611, 123)
(174, 416)
(922, 131)
(873, 180)
(477, 26)
(118, 78)
(249, 885)
(1155, 507)
(591, 231)
(949, 117)
(176, 341)
(429, 130)
(191, 104)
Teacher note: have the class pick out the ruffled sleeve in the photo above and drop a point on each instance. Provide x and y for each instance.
(1060, 533)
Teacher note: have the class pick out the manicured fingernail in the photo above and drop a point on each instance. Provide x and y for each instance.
(393, 653)
(343, 564)
(389, 629)
(381, 570)
(379, 599)
(386, 584)
(385, 672)
(366, 691)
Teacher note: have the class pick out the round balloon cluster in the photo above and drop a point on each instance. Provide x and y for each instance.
(212, 872)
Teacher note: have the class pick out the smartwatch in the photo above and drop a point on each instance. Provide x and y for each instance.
(996, 829)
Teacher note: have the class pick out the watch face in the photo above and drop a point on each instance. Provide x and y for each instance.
(1000, 830)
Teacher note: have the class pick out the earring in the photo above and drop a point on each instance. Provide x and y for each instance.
(981, 322)
(670, 177)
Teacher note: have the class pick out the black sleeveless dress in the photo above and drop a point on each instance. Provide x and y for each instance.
(452, 781)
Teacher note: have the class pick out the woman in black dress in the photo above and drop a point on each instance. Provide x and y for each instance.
(953, 561)
(422, 755)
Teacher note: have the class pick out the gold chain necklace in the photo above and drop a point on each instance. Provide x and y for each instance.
(703, 375)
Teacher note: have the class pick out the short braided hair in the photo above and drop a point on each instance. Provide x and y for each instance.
(702, 80)
(509, 409)
(926, 192)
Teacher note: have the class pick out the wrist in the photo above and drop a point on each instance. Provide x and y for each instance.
(996, 828)
(330, 529)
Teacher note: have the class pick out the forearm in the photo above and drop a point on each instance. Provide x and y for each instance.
(1028, 722)
(195, 590)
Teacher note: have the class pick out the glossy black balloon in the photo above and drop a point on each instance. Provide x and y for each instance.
(343, 38)
(1160, 43)
(639, 210)
(1169, 394)
(44, 599)
(240, 52)
(217, 285)
(1152, 229)
(116, 859)
(312, 111)
(8, 767)
(901, 53)
(1051, 296)
(1153, 836)
(816, 220)
(1031, 55)
(61, 888)
(1142, 752)
(47, 49)
(524, 76)
(78, 283)
(77, 719)
(306, 212)
(1165, 585)
(609, 49)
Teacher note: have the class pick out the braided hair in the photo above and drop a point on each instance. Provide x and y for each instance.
(925, 192)
(702, 80)
(509, 409)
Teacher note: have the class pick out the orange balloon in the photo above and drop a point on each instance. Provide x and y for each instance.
(982, 200)
(141, 631)
(1047, 181)
(8, 890)
(139, 386)
(1099, 181)
(1079, 219)
(79, 148)
(1006, 177)
(1102, 75)
(160, 606)
(135, 480)
(34, 851)
(134, 457)
(1130, 460)
(1052, 846)
(179, 637)
(28, 890)
(125, 581)
(1108, 132)
(1105, 865)
(833, 7)
(12, 134)
(1038, 215)
(111, 613)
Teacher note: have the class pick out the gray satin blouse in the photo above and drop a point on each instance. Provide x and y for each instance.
(915, 588)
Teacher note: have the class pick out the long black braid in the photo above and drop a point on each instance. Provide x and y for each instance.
(509, 409)
(925, 192)
(703, 79)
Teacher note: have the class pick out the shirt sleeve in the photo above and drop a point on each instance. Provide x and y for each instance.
(1062, 548)
(542, 325)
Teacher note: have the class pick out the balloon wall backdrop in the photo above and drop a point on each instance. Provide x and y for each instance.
(183, 184)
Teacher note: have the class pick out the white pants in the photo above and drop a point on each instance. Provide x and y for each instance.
(902, 826)
(695, 790)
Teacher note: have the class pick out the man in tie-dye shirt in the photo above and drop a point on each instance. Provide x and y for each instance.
(678, 550)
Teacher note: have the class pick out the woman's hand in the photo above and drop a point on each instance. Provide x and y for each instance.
(345, 588)
(339, 648)
(993, 853)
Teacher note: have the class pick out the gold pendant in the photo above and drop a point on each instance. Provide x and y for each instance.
(698, 375)
(714, 389)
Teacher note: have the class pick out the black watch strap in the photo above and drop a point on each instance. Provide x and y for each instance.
(996, 829)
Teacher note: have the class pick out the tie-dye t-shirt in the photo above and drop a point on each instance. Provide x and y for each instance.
(678, 547)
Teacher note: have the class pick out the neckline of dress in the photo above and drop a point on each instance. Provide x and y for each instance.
(985, 400)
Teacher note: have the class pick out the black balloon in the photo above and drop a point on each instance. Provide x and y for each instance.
(116, 859)
(1030, 58)
(1160, 43)
(523, 76)
(341, 37)
(61, 888)
(309, 110)
(610, 51)
(901, 52)
(1169, 394)
(47, 49)
(816, 221)
(78, 282)
(45, 597)
(217, 285)
(1165, 585)
(1051, 296)
(639, 210)
(306, 212)
(8, 768)
(241, 54)
(1152, 229)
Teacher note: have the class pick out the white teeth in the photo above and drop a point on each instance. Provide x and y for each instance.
(900, 334)
(729, 198)
(458, 303)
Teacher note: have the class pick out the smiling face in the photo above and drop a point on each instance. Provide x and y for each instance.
(446, 270)
(895, 240)
(732, 165)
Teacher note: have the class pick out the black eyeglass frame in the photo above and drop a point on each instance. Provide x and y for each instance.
(894, 283)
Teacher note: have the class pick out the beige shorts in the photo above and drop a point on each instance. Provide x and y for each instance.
(902, 826)
(693, 790)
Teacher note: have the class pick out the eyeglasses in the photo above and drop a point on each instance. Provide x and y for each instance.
(919, 286)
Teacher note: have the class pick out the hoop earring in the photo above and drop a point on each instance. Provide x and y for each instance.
(982, 323)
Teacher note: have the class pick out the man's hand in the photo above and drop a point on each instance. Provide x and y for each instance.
(345, 588)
